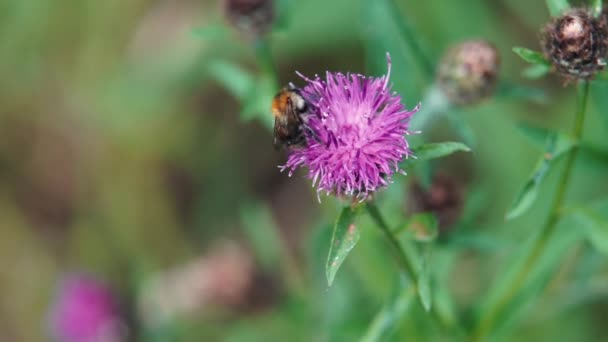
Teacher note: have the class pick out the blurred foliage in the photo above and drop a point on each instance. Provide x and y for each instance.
(135, 136)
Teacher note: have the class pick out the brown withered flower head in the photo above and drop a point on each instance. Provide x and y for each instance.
(576, 43)
(468, 72)
(250, 17)
(444, 198)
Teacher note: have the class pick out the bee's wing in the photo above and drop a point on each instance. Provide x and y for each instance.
(277, 141)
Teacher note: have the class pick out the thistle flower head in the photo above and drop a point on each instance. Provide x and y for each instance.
(356, 134)
(85, 310)
(576, 43)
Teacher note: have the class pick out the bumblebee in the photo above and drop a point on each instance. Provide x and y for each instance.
(291, 113)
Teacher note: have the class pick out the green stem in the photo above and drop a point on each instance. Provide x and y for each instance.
(404, 261)
(410, 37)
(487, 323)
(402, 258)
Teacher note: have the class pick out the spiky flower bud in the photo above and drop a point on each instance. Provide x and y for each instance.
(250, 17)
(468, 72)
(576, 44)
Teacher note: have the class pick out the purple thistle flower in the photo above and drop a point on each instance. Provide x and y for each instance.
(356, 134)
(85, 310)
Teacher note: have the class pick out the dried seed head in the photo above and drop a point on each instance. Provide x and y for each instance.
(469, 71)
(250, 17)
(444, 198)
(576, 44)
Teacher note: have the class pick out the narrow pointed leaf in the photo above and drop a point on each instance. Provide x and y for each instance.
(344, 238)
(528, 193)
(424, 286)
(557, 7)
(439, 150)
(536, 71)
(557, 146)
(531, 56)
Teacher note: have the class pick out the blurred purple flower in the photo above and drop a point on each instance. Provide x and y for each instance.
(85, 310)
(356, 135)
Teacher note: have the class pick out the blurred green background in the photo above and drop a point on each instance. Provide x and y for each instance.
(123, 154)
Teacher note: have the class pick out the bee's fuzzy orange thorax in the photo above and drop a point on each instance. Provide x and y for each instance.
(279, 104)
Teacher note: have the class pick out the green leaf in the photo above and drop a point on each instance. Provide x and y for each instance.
(599, 91)
(387, 319)
(439, 150)
(536, 71)
(344, 238)
(531, 56)
(557, 7)
(424, 284)
(596, 6)
(421, 227)
(595, 225)
(557, 145)
(235, 79)
(588, 153)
